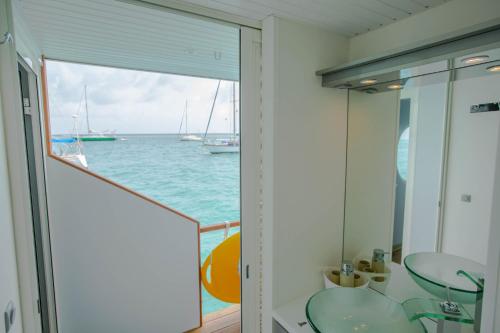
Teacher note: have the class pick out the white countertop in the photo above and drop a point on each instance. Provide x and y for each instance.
(291, 314)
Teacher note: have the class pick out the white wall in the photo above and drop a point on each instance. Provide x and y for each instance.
(121, 263)
(304, 155)
(371, 152)
(471, 168)
(9, 286)
(9, 289)
(451, 16)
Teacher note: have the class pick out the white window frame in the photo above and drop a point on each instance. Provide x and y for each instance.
(250, 123)
(18, 176)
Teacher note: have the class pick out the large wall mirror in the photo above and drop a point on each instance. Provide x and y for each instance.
(421, 159)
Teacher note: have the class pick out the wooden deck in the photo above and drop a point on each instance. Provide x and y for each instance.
(224, 321)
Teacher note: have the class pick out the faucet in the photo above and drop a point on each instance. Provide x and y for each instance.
(479, 282)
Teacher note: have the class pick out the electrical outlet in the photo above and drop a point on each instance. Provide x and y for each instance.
(466, 198)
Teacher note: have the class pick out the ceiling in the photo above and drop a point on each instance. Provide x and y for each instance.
(122, 34)
(348, 17)
(119, 34)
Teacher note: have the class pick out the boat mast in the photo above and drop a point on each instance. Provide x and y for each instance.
(77, 134)
(182, 123)
(186, 117)
(89, 131)
(211, 111)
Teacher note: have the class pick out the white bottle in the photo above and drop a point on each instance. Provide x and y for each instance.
(378, 261)
(347, 274)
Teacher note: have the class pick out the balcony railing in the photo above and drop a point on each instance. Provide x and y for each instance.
(219, 226)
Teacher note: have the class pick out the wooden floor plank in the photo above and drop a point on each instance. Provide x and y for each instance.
(224, 321)
(230, 329)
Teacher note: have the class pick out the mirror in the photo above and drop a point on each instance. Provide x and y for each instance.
(420, 162)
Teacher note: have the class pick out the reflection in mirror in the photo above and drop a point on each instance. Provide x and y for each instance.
(420, 164)
(372, 126)
(416, 221)
(394, 167)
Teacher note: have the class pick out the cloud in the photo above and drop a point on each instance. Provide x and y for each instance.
(128, 101)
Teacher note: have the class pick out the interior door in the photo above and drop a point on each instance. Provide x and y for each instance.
(34, 157)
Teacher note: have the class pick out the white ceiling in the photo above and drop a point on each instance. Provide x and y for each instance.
(348, 17)
(118, 34)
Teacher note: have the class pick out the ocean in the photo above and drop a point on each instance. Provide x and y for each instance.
(182, 175)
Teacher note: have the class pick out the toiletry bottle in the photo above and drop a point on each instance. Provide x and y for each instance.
(347, 274)
(378, 260)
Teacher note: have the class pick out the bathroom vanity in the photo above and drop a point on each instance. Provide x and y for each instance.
(421, 143)
(292, 317)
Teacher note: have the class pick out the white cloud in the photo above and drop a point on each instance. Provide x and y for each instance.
(128, 101)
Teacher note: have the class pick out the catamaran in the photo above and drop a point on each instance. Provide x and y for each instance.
(223, 145)
(91, 134)
(187, 136)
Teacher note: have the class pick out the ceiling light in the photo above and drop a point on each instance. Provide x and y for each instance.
(475, 59)
(368, 81)
(395, 86)
(494, 69)
(343, 86)
(370, 90)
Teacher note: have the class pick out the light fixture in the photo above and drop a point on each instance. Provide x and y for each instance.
(395, 86)
(346, 85)
(368, 81)
(494, 69)
(475, 59)
(370, 90)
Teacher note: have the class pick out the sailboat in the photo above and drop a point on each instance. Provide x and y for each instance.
(93, 135)
(187, 136)
(70, 149)
(223, 145)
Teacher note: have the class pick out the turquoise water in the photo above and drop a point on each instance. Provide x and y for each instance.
(182, 175)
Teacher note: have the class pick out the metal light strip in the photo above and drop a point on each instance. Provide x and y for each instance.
(391, 66)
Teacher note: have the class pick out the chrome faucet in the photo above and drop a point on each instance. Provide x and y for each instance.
(479, 283)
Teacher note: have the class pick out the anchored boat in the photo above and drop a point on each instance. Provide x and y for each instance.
(223, 145)
(91, 134)
(70, 149)
(187, 136)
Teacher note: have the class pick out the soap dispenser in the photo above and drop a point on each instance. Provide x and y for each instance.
(378, 260)
(347, 274)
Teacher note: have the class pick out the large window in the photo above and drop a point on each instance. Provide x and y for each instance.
(155, 134)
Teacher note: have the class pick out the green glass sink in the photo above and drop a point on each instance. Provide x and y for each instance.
(339, 310)
(436, 271)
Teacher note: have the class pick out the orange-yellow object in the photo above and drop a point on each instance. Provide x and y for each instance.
(223, 262)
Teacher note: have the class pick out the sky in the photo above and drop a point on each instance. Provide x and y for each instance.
(134, 102)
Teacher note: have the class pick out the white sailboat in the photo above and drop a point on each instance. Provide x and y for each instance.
(91, 134)
(187, 136)
(70, 149)
(223, 145)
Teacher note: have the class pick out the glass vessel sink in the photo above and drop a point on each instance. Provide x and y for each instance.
(436, 271)
(339, 310)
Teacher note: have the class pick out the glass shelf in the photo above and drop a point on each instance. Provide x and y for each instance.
(417, 308)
